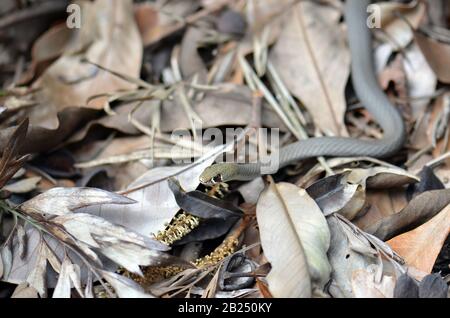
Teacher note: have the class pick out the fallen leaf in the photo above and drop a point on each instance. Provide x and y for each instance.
(60, 201)
(436, 51)
(24, 291)
(352, 250)
(70, 81)
(419, 210)
(295, 239)
(23, 186)
(399, 33)
(155, 205)
(201, 204)
(421, 80)
(63, 286)
(237, 98)
(365, 284)
(124, 287)
(433, 286)
(314, 62)
(116, 242)
(421, 246)
(406, 287)
(345, 193)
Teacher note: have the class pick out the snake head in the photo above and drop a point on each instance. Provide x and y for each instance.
(218, 173)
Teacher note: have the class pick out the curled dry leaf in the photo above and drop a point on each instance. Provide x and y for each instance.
(201, 204)
(398, 31)
(345, 193)
(421, 246)
(420, 209)
(313, 61)
(295, 239)
(60, 201)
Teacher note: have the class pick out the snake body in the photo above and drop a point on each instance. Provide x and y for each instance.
(367, 89)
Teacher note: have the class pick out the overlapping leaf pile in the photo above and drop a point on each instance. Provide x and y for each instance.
(98, 199)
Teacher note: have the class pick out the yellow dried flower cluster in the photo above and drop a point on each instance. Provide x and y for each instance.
(154, 274)
(184, 223)
(181, 225)
(225, 249)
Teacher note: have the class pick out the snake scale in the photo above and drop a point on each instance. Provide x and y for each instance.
(367, 89)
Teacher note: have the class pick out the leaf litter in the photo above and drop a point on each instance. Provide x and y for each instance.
(100, 199)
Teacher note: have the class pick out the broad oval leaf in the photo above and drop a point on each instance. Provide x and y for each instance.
(295, 239)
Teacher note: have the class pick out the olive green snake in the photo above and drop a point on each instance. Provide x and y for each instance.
(368, 91)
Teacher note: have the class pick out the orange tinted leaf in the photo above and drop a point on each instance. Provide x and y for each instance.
(421, 246)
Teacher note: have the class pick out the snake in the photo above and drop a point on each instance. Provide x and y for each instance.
(370, 94)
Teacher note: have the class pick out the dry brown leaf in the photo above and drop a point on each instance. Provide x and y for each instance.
(437, 54)
(421, 246)
(72, 82)
(155, 21)
(314, 62)
(420, 209)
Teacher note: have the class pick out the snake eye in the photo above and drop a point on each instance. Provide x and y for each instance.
(217, 179)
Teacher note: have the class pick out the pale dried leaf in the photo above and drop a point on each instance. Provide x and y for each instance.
(365, 285)
(23, 186)
(348, 252)
(399, 33)
(124, 287)
(7, 260)
(24, 291)
(293, 231)
(60, 201)
(84, 226)
(37, 277)
(63, 286)
(314, 62)
(156, 205)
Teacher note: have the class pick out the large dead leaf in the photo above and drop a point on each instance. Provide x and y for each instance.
(114, 44)
(421, 246)
(156, 204)
(420, 209)
(236, 99)
(314, 62)
(295, 239)
(352, 250)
